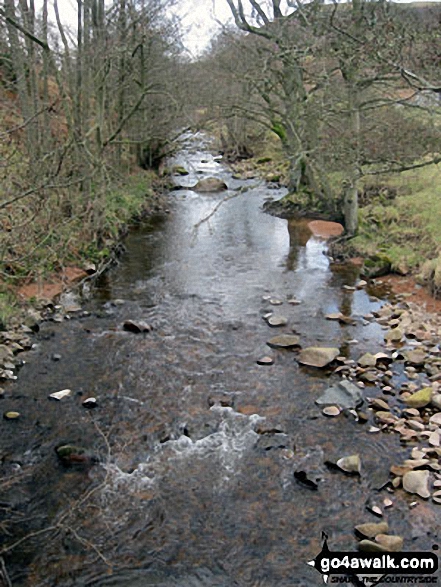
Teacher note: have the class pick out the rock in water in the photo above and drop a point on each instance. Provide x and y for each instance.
(394, 335)
(277, 321)
(265, 361)
(331, 411)
(367, 360)
(318, 356)
(90, 403)
(370, 530)
(417, 482)
(210, 185)
(136, 326)
(420, 398)
(59, 395)
(74, 456)
(284, 341)
(11, 415)
(370, 546)
(391, 543)
(344, 394)
(351, 464)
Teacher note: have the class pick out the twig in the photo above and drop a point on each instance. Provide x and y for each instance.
(216, 208)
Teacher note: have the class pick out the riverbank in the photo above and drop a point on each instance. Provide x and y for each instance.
(24, 305)
(400, 228)
(73, 253)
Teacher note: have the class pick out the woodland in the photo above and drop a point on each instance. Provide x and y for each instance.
(338, 101)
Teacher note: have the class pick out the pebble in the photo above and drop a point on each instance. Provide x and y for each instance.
(417, 482)
(275, 302)
(371, 529)
(265, 361)
(59, 395)
(331, 411)
(277, 321)
(90, 403)
(11, 415)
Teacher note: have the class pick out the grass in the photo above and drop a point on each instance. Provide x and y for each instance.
(47, 246)
(408, 228)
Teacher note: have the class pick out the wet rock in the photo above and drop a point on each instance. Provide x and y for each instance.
(209, 185)
(350, 464)
(344, 394)
(435, 419)
(275, 302)
(417, 482)
(11, 415)
(385, 417)
(415, 357)
(368, 377)
(434, 439)
(294, 302)
(367, 360)
(56, 357)
(436, 401)
(394, 335)
(318, 356)
(379, 404)
(137, 326)
(277, 321)
(90, 403)
(284, 341)
(391, 543)
(371, 529)
(74, 456)
(179, 170)
(331, 411)
(420, 399)
(59, 395)
(265, 361)
(338, 316)
(370, 546)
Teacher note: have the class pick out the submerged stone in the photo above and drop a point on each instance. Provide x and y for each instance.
(284, 341)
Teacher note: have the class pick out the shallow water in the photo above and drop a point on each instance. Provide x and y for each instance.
(197, 443)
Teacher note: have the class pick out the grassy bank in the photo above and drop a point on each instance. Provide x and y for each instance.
(52, 244)
(407, 227)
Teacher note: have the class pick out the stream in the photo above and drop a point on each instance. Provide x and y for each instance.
(197, 444)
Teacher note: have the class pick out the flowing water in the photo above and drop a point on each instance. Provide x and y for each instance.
(197, 444)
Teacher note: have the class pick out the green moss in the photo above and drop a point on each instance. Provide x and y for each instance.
(408, 228)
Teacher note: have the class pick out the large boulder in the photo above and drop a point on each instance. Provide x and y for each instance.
(210, 185)
(344, 394)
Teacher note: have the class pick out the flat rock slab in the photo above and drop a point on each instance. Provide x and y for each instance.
(277, 321)
(318, 356)
(284, 341)
(344, 394)
(417, 482)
